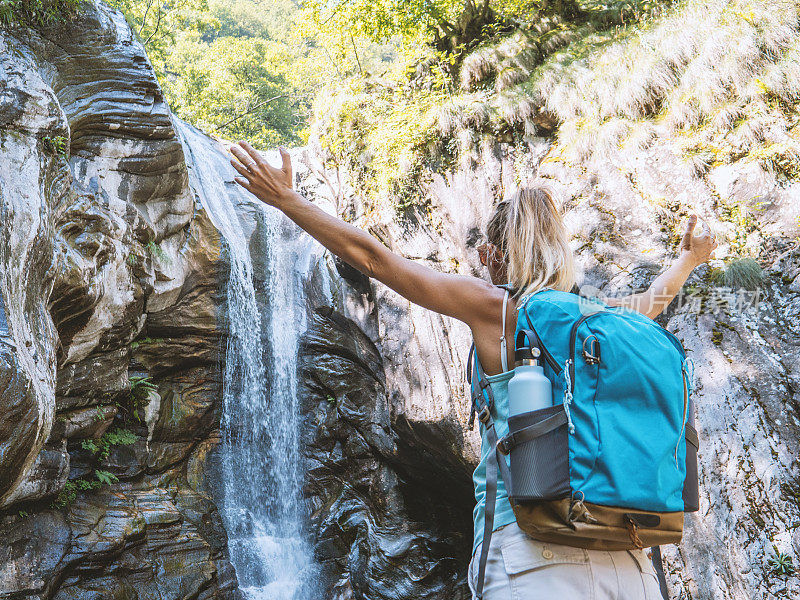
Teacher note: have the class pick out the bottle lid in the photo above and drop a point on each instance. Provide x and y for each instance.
(526, 355)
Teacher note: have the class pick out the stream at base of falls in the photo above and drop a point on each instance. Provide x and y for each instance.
(261, 462)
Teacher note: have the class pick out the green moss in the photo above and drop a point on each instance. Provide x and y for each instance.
(145, 342)
(157, 252)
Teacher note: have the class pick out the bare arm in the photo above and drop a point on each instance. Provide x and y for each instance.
(695, 250)
(468, 299)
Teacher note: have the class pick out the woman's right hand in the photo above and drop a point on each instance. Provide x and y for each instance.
(270, 185)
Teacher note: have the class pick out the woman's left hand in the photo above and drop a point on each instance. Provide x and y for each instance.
(698, 247)
(265, 182)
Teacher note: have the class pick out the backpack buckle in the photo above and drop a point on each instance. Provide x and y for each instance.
(484, 415)
(503, 445)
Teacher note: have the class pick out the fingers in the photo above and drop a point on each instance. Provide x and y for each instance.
(245, 184)
(686, 241)
(691, 224)
(286, 162)
(244, 157)
(241, 169)
(254, 155)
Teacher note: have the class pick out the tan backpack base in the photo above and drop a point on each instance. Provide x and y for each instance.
(595, 527)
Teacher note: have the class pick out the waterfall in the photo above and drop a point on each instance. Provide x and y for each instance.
(261, 470)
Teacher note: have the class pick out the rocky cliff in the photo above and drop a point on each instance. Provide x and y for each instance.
(114, 320)
(109, 328)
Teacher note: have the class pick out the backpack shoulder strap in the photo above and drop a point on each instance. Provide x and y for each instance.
(482, 403)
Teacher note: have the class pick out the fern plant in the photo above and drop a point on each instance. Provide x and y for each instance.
(102, 446)
(106, 477)
(141, 391)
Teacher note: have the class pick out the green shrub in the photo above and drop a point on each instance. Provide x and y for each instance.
(739, 273)
(36, 13)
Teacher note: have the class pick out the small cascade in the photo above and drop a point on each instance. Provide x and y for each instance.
(261, 464)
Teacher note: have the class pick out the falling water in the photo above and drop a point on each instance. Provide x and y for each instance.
(261, 461)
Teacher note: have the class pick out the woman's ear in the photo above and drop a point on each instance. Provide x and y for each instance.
(483, 254)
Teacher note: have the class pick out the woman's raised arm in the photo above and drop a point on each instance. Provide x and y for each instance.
(694, 251)
(468, 299)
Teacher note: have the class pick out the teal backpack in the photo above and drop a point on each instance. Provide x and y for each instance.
(612, 465)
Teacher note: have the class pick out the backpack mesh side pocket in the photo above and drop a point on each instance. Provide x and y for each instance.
(540, 464)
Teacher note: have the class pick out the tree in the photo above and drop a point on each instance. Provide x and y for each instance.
(446, 25)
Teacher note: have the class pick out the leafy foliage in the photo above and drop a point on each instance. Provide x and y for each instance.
(445, 25)
(56, 145)
(102, 446)
(236, 68)
(141, 390)
(106, 477)
(595, 77)
(69, 492)
(238, 88)
(36, 13)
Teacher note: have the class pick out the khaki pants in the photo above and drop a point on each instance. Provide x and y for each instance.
(520, 568)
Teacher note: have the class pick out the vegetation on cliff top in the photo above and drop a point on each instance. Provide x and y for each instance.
(36, 13)
(721, 78)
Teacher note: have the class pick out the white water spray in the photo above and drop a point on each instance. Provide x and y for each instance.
(262, 471)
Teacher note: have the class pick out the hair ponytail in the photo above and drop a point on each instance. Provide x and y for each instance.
(535, 243)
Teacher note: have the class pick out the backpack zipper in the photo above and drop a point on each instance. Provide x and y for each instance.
(573, 335)
(686, 393)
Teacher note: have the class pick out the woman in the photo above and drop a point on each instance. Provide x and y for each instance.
(526, 247)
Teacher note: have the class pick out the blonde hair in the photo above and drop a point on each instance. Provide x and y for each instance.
(530, 232)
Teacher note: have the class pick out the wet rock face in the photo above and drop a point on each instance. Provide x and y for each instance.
(109, 342)
(390, 519)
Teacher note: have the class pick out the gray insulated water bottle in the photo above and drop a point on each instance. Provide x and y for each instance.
(529, 388)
